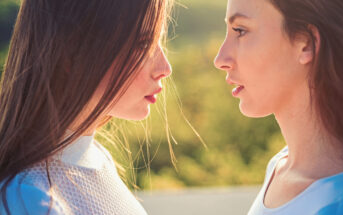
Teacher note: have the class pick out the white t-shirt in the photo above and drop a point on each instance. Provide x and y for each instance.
(323, 197)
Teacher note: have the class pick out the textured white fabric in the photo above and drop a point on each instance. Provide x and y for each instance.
(84, 183)
(85, 152)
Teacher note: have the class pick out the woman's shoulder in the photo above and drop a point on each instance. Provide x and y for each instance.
(28, 193)
(323, 197)
(104, 151)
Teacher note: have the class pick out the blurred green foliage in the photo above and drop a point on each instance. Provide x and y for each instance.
(237, 148)
(8, 13)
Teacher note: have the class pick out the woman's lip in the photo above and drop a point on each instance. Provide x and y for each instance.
(157, 91)
(231, 82)
(237, 90)
(152, 99)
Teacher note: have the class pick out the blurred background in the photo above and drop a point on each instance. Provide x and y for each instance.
(197, 153)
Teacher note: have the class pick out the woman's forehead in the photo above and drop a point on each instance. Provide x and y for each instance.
(257, 11)
(248, 8)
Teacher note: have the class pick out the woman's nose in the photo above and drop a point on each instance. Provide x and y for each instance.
(163, 68)
(223, 60)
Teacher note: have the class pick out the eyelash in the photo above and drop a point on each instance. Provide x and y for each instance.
(240, 31)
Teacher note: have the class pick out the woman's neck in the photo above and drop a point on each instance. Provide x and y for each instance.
(311, 150)
(88, 132)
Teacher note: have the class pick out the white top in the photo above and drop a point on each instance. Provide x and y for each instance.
(85, 152)
(84, 180)
(323, 197)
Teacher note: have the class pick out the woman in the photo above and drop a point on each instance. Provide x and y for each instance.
(286, 59)
(72, 65)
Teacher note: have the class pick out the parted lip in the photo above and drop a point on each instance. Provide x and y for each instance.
(232, 82)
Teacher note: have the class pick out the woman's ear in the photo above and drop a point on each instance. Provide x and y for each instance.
(309, 46)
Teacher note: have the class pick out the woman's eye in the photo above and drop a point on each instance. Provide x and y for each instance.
(240, 31)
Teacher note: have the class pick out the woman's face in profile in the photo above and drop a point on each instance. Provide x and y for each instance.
(260, 59)
(135, 102)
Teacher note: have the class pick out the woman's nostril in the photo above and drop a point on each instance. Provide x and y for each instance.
(225, 67)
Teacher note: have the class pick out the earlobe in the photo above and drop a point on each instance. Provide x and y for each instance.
(310, 46)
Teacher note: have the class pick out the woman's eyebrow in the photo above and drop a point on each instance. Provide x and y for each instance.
(236, 16)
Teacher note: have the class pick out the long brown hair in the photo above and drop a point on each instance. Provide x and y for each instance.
(59, 53)
(326, 78)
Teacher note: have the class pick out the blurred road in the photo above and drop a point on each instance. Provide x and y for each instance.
(228, 201)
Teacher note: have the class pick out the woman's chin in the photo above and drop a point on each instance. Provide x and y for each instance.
(253, 111)
(142, 114)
